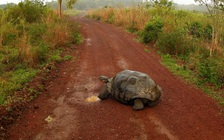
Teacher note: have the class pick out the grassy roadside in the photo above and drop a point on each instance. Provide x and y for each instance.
(181, 70)
(32, 38)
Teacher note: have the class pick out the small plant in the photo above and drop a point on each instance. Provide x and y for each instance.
(78, 38)
(67, 57)
(146, 50)
(132, 28)
(56, 58)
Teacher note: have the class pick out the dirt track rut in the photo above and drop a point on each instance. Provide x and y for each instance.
(183, 113)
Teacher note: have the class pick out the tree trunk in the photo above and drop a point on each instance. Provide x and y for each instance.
(60, 7)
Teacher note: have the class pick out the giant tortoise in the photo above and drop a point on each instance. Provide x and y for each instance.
(131, 87)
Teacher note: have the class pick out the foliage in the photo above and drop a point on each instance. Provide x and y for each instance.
(69, 4)
(209, 69)
(151, 30)
(197, 30)
(67, 57)
(31, 11)
(14, 80)
(213, 5)
(31, 37)
(191, 77)
(174, 43)
(162, 3)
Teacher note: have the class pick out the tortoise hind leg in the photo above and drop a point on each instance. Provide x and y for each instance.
(138, 104)
(104, 94)
(153, 103)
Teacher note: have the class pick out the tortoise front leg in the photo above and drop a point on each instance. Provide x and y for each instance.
(138, 104)
(104, 94)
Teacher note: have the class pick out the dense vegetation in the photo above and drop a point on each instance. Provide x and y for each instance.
(194, 40)
(32, 38)
(94, 4)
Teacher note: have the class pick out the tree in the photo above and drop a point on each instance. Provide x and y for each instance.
(213, 6)
(216, 11)
(69, 4)
(162, 3)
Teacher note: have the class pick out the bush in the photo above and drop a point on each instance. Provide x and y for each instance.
(36, 32)
(208, 32)
(196, 29)
(211, 71)
(31, 11)
(8, 59)
(175, 43)
(151, 30)
(132, 28)
(110, 18)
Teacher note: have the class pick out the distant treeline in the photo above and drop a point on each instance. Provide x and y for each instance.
(95, 4)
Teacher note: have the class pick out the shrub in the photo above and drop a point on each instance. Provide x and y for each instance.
(57, 34)
(8, 58)
(31, 11)
(132, 28)
(151, 30)
(175, 43)
(208, 32)
(196, 29)
(211, 71)
(36, 32)
(110, 18)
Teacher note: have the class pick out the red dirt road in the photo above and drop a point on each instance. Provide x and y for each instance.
(183, 113)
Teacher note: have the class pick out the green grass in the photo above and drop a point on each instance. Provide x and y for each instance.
(190, 77)
(14, 80)
(147, 50)
(67, 57)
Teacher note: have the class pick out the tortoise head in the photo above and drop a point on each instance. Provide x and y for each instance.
(104, 79)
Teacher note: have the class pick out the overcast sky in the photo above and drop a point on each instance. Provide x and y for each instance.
(176, 1)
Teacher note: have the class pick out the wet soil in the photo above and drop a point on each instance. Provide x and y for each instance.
(68, 109)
